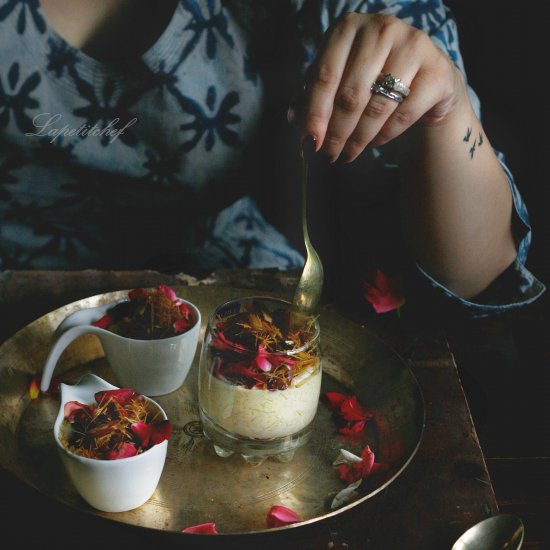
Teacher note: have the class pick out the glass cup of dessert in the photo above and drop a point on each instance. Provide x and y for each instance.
(260, 378)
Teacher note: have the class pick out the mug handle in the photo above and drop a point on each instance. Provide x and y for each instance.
(64, 336)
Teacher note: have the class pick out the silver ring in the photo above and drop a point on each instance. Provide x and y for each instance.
(393, 84)
(377, 89)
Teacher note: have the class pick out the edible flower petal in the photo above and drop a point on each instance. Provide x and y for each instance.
(137, 293)
(168, 292)
(121, 395)
(71, 409)
(261, 359)
(281, 515)
(34, 388)
(126, 450)
(347, 495)
(181, 325)
(152, 434)
(350, 415)
(185, 310)
(105, 322)
(385, 293)
(354, 471)
(204, 528)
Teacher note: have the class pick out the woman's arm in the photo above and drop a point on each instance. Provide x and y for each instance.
(456, 198)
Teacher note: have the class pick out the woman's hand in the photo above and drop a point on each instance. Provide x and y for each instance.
(344, 115)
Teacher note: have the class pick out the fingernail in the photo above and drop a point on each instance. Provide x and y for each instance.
(290, 115)
(309, 145)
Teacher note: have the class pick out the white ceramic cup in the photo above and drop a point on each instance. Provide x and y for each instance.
(109, 485)
(150, 367)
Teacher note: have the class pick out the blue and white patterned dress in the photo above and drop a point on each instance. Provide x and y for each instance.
(103, 167)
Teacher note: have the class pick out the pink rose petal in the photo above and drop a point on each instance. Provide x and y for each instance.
(71, 408)
(204, 528)
(181, 326)
(126, 450)
(167, 291)
(281, 515)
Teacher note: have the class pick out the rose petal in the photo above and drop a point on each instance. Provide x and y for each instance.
(121, 395)
(335, 400)
(352, 410)
(345, 457)
(138, 293)
(357, 470)
(72, 407)
(185, 310)
(261, 359)
(105, 322)
(281, 515)
(346, 495)
(34, 388)
(152, 434)
(383, 292)
(167, 291)
(126, 450)
(204, 528)
(352, 428)
(181, 326)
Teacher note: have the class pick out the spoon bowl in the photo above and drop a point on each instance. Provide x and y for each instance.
(500, 532)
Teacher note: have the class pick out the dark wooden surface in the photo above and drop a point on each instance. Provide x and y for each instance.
(443, 491)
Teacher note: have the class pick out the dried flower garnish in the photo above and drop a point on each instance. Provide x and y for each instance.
(385, 293)
(349, 414)
(278, 516)
(149, 315)
(259, 348)
(202, 528)
(120, 425)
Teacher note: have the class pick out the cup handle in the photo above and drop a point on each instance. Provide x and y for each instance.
(63, 339)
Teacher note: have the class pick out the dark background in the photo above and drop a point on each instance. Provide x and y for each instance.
(503, 362)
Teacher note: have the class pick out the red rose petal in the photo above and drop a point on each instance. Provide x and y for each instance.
(383, 292)
(204, 528)
(352, 410)
(357, 470)
(352, 428)
(281, 515)
(105, 322)
(121, 395)
(152, 434)
(335, 400)
(138, 293)
(181, 326)
(185, 310)
(126, 450)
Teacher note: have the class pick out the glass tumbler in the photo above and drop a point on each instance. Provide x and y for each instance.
(259, 379)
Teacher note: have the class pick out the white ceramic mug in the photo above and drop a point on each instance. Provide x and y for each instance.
(109, 485)
(150, 367)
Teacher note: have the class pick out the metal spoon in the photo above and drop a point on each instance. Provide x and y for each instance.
(500, 532)
(310, 284)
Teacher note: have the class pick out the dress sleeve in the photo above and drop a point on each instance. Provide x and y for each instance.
(516, 286)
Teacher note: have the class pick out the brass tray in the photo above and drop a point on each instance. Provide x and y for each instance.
(196, 485)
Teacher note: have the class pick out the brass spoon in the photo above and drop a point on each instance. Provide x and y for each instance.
(500, 532)
(310, 284)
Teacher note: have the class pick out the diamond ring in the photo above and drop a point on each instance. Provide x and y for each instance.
(393, 84)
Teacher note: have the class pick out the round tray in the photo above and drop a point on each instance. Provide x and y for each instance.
(197, 486)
